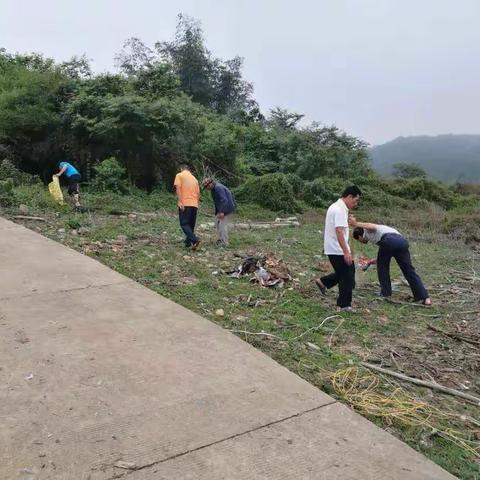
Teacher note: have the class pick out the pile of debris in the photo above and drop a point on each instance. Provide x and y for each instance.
(267, 270)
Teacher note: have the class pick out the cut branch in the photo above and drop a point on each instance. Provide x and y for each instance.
(423, 383)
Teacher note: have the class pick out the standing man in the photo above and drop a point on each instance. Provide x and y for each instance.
(338, 250)
(391, 244)
(188, 196)
(224, 207)
(73, 178)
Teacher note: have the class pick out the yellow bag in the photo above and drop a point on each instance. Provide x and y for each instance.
(55, 190)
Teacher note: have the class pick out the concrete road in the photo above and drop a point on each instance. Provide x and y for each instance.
(101, 378)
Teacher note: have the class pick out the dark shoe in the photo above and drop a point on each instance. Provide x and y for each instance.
(195, 245)
(321, 286)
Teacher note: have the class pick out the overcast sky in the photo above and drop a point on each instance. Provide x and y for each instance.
(377, 69)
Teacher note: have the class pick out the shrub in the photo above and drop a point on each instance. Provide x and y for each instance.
(272, 191)
(298, 185)
(9, 171)
(7, 194)
(322, 191)
(110, 177)
(422, 188)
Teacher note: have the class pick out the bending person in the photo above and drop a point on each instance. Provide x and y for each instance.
(73, 178)
(390, 244)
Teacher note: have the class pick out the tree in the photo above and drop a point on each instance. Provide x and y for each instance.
(134, 57)
(191, 59)
(30, 108)
(210, 81)
(282, 118)
(408, 170)
(77, 67)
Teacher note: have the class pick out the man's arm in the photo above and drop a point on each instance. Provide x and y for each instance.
(178, 191)
(343, 244)
(371, 227)
(222, 202)
(60, 173)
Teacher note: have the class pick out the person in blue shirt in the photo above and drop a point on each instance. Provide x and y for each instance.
(224, 208)
(73, 178)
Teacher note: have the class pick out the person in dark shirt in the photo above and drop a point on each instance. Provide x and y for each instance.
(224, 208)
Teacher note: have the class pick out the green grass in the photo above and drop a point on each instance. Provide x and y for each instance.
(153, 254)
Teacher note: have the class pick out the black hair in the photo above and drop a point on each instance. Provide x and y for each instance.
(352, 190)
(184, 166)
(358, 232)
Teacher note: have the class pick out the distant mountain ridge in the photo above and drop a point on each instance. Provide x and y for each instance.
(450, 158)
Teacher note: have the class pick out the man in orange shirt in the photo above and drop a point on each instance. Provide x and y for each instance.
(188, 195)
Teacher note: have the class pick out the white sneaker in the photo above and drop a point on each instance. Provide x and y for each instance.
(346, 309)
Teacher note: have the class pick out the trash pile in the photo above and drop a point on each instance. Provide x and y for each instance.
(267, 271)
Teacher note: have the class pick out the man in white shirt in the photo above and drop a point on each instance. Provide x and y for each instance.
(338, 250)
(391, 243)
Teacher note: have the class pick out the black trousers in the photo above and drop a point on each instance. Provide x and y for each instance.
(344, 277)
(73, 182)
(188, 219)
(396, 246)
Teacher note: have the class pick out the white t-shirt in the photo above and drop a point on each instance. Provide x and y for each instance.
(337, 216)
(380, 231)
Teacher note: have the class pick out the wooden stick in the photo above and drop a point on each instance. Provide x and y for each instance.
(453, 335)
(408, 304)
(264, 334)
(423, 383)
(26, 217)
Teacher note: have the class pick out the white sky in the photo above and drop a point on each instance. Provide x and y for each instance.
(376, 68)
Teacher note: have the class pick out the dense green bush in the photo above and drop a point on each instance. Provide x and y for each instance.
(9, 170)
(110, 177)
(322, 191)
(422, 188)
(7, 195)
(298, 185)
(272, 191)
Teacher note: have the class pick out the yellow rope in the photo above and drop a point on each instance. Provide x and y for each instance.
(361, 389)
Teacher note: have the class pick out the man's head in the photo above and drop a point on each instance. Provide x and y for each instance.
(359, 234)
(351, 196)
(184, 166)
(208, 183)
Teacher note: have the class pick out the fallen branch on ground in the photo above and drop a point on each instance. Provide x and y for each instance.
(26, 217)
(423, 383)
(413, 304)
(453, 335)
(265, 334)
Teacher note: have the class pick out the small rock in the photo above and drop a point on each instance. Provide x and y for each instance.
(132, 216)
(74, 232)
(83, 230)
(23, 209)
(61, 230)
(219, 312)
(312, 346)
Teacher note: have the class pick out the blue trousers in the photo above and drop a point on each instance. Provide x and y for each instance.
(188, 219)
(396, 246)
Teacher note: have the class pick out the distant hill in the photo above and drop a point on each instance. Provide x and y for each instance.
(450, 158)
